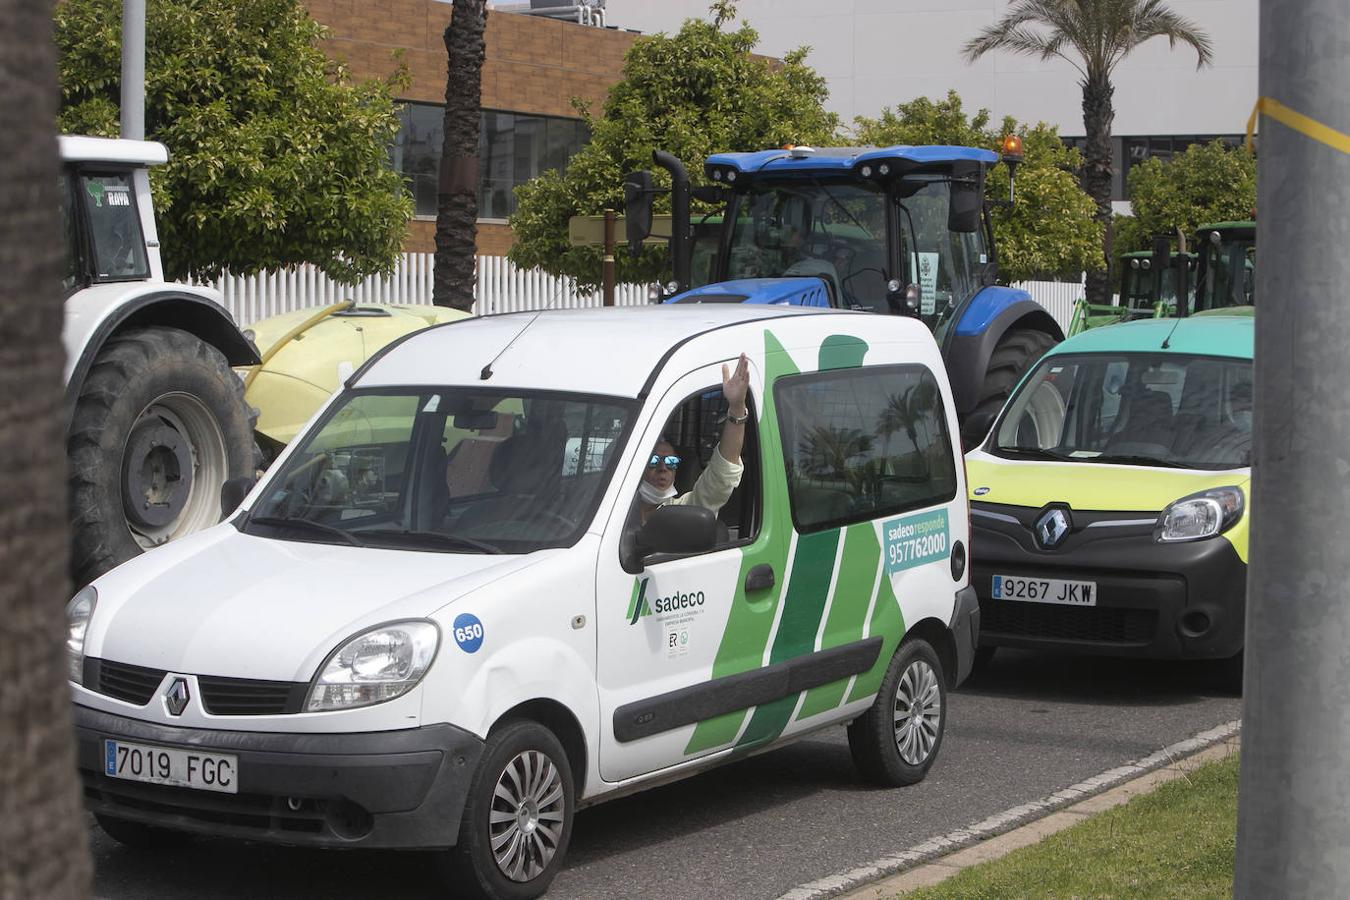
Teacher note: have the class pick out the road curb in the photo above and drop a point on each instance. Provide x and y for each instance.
(941, 857)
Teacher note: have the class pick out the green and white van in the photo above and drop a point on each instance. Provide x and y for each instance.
(1111, 500)
(436, 624)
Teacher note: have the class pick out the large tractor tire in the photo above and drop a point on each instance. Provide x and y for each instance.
(1015, 352)
(159, 425)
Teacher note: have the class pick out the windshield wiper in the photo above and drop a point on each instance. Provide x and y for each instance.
(440, 537)
(297, 522)
(1037, 453)
(1134, 459)
(848, 212)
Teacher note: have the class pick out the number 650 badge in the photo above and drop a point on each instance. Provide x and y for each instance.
(468, 632)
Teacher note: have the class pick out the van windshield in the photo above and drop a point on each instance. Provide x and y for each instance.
(447, 469)
(1148, 409)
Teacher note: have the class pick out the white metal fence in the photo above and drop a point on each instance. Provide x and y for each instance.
(502, 287)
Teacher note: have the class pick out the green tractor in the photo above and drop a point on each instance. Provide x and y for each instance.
(1226, 276)
(1219, 277)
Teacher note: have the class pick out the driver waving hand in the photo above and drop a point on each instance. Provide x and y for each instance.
(715, 484)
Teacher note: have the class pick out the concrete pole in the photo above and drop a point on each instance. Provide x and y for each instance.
(133, 69)
(1294, 802)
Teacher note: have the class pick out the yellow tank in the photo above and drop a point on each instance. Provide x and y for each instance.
(307, 354)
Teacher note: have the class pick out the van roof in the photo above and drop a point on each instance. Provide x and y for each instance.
(79, 148)
(1209, 335)
(612, 351)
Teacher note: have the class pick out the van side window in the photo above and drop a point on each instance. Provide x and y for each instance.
(693, 430)
(863, 443)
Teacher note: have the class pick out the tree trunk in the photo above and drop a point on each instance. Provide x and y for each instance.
(43, 837)
(457, 193)
(1095, 178)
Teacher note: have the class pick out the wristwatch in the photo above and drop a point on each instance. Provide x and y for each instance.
(737, 420)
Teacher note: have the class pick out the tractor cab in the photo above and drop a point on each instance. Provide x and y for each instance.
(893, 230)
(1226, 277)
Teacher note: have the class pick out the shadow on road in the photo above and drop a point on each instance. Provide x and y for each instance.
(1068, 678)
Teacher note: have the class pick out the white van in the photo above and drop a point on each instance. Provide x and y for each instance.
(437, 624)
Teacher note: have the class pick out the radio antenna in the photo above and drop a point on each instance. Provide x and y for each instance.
(486, 373)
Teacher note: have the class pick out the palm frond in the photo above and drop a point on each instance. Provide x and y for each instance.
(1156, 20)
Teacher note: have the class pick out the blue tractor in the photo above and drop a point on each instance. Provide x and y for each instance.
(894, 230)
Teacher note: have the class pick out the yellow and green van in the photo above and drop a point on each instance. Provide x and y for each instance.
(1110, 502)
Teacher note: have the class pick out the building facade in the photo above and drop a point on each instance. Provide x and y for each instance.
(879, 53)
(532, 69)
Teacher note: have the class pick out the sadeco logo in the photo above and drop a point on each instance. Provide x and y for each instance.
(639, 607)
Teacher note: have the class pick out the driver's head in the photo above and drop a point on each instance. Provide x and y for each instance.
(660, 471)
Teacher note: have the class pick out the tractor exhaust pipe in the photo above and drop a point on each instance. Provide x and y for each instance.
(679, 218)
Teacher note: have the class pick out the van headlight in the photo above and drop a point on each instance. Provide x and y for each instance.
(375, 666)
(1199, 516)
(79, 611)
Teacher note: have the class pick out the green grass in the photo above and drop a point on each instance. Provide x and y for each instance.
(1177, 841)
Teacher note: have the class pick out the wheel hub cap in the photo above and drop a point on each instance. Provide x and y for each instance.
(526, 819)
(918, 713)
(157, 474)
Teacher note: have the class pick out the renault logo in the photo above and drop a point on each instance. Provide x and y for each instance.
(1051, 528)
(176, 697)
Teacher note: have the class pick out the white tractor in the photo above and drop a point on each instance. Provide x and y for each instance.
(155, 417)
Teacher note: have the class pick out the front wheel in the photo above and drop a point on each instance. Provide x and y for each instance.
(159, 425)
(518, 817)
(1015, 353)
(895, 742)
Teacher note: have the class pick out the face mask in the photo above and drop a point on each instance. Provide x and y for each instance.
(653, 495)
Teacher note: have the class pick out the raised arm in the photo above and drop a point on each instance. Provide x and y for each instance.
(735, 387)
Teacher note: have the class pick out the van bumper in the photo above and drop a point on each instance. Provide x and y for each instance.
(392, 789)
(1157, 601)
(966, 632)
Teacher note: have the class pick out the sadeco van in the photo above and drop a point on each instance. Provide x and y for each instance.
(437, 623)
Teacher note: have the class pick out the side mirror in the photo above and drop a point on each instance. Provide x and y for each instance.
(637, 210)
(678, 529)
(965, 213)
(233, 492)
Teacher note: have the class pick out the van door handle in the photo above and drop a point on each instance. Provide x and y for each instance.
(759, 578)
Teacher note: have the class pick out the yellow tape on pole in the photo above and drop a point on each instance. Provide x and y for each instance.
(1337, 140)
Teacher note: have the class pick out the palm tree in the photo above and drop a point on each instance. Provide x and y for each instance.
(1093, 36)
(457, 191)
(42, 826)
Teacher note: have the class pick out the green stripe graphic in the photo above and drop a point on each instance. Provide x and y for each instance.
(889, 622)
(848, 609)
(803, 606)
(751, 621)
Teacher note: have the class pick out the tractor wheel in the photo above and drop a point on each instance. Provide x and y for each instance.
(159, 425)
(1014, 353)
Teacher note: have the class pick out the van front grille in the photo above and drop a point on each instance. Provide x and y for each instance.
(221, 696)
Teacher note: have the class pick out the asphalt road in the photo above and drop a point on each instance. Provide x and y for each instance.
(1028, 726)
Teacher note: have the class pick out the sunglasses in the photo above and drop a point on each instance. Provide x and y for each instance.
(672, 462)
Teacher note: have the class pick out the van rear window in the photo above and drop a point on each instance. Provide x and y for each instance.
(863, 443)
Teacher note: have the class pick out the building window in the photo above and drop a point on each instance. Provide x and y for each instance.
(1127, 152)
(512, 149)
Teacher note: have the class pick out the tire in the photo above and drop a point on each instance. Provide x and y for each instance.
(472, 866)
(895, 742)
(139, 836)
(160, 424)
(1015, 352)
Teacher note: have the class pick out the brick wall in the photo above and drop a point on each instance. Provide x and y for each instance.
(531, 65)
